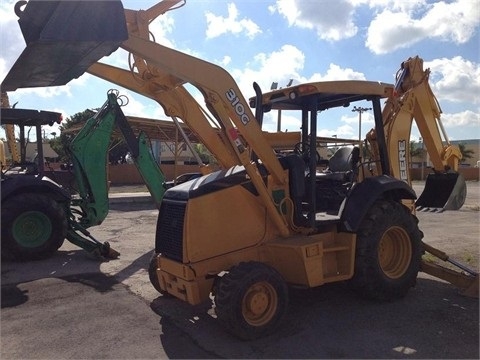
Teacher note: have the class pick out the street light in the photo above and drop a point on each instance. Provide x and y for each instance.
(360, 110)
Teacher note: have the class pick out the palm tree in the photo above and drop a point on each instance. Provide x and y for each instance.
(466, 153)
(205, 155)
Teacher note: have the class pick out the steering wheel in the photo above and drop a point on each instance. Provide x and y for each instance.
(304, 152)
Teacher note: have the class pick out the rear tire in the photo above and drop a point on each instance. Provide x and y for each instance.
(388, 252)
(251, 300)
(33, 226)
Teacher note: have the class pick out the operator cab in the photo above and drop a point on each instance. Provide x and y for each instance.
(321, 198)
(24, 118)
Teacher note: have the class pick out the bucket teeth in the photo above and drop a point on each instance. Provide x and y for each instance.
(443, 191)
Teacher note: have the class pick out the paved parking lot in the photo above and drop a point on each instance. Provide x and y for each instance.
(71, 306)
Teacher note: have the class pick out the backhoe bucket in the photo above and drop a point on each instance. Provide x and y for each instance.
(446, 191)
(63, 39)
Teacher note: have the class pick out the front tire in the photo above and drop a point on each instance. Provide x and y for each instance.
(33, 226)
(251, 300)
(152, 275)
(388, 252)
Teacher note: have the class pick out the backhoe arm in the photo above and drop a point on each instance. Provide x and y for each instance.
(413, 99)
(89, 153)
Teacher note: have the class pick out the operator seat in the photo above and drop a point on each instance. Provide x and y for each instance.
(342, 166)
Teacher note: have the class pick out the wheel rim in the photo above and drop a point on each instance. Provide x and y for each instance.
(259, 304)
(32, 229)
(395, 252)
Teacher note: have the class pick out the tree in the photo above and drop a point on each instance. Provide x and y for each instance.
(466, 153)
(59, 144)
(205, 155)
(416, 149)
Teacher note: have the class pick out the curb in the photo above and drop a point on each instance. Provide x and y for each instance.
(121, 198)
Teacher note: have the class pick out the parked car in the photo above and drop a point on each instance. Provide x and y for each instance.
(181, 179)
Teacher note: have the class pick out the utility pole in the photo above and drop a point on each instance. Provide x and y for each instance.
(421, 142)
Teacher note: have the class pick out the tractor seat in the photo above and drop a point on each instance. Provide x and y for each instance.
(341, 165)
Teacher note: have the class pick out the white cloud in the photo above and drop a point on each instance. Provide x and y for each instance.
(335, 72)
(44, 92)
(226, 60)
(162, 28)
(466, 119)
(402, 6)
(331, 19)
(278, 66)
(289, 121)
(219, 25)
(394, 29)
(134, 107)
(455, 79)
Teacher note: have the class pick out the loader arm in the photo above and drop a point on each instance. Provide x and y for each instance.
(161, 73)
(176, 102)
(224, 100)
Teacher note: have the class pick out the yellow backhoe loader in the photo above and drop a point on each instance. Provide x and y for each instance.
(270, 218)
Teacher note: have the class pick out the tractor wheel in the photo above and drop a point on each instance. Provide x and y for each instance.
(152, 275)
(388, 252)
(251, 300)
(33, 226)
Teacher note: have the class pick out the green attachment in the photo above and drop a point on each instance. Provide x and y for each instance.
(89, 154)
(149, 170)
(141, 153)
(79, 236)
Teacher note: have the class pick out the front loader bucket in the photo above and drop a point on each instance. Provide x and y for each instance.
(446, 191)
(63, 39)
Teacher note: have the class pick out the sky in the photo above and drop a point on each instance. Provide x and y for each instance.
(304, 40)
